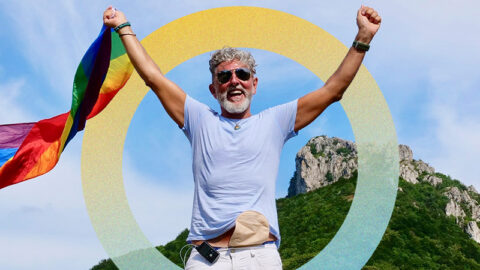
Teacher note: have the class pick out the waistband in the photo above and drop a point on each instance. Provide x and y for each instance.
(263, 245)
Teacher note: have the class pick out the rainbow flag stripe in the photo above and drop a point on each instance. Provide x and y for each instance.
(28, 150)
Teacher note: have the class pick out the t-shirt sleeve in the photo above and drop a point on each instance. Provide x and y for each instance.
(285, 115)
(193, 112)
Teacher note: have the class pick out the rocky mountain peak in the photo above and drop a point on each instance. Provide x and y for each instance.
(406, 154)
(323, 161)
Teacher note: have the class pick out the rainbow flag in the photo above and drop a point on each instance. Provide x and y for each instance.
(28, 150)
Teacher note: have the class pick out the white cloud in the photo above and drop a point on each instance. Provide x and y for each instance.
(450, 141)
(12, 108)
(45, 220)
(459, 151)
(53, 36)
(42, 251)
(162, 211)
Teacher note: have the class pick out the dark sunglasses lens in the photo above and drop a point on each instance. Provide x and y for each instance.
(224, 76)
(243, 74)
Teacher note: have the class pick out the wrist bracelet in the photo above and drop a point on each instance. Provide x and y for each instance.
(360, 46)
(121, 26)
(127, 34)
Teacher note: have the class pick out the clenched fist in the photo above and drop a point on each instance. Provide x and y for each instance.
(368, 22)
(113, 18)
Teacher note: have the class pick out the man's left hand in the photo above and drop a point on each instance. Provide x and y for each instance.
(368, 22)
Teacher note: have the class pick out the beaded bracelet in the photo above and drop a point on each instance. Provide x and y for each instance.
(121, 26)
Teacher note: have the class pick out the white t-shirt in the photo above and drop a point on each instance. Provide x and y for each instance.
(235, 169)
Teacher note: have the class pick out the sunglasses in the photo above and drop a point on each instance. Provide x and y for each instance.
(241, 73)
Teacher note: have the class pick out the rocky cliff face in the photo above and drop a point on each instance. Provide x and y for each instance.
(459, 205)
(323, 161)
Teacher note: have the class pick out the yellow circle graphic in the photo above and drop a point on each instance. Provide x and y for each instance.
(265, 29)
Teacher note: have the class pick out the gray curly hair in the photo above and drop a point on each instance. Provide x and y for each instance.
(228, 54)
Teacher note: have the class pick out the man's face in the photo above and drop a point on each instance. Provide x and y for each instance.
(234, 95)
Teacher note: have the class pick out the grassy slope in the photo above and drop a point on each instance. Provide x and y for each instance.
(419, 235)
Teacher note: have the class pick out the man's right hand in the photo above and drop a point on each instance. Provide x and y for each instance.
(113, 18)
(171, 96)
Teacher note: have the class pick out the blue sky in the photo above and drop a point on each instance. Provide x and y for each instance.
(424, 59)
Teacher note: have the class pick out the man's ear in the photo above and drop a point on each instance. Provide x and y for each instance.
(212, 90)
(255, 84)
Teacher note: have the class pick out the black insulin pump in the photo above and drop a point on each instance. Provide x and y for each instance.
(208, 252)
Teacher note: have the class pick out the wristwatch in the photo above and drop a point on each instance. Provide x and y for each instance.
(360, 46)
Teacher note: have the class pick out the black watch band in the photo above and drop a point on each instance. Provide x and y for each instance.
(361, 46)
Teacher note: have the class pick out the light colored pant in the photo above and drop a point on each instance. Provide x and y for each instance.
(264, 257)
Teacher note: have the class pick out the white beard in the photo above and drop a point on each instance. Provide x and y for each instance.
(231, 107)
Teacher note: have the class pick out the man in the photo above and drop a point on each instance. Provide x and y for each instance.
(236, 154)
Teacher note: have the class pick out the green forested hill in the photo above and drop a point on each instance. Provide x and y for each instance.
(419, 235)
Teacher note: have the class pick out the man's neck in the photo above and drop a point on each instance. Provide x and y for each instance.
(242, 115)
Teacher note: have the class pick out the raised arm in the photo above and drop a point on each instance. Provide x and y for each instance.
(314, 103)
(171, 96)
